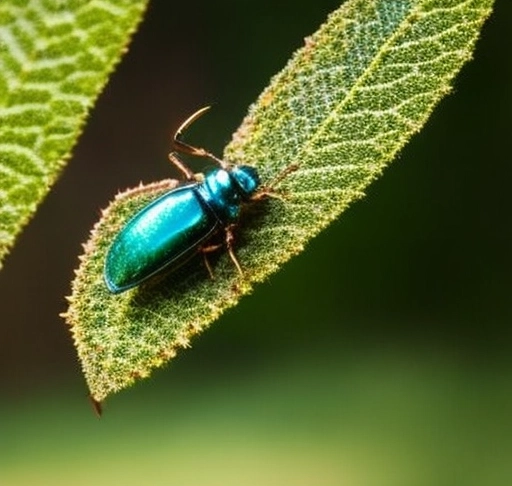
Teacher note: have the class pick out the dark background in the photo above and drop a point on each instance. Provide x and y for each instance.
(382, 353)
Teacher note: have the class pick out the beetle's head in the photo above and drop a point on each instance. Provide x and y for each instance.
(246, 178)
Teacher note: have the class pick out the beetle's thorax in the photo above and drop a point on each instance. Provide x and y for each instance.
(225, 190)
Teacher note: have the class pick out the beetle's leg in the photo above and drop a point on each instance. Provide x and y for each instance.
(208, 249)
(181, 167)
(229, 243)
(268, 190)
(230, 238)
(186, 148)
(207, 265)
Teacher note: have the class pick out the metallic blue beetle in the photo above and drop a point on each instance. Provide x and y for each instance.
(180, 223)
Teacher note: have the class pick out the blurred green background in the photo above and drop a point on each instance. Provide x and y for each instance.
(380, 356)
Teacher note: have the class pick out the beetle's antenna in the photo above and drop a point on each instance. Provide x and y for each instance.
(268, 190)
(181, 146)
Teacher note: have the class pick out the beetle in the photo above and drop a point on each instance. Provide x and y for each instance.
(180, 223)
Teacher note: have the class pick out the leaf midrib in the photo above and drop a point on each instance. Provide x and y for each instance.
(338, 108)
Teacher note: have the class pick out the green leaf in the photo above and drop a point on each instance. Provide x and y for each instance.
(55, 57)
(342, 108)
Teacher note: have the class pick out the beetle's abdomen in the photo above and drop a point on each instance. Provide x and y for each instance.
(164, 233)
